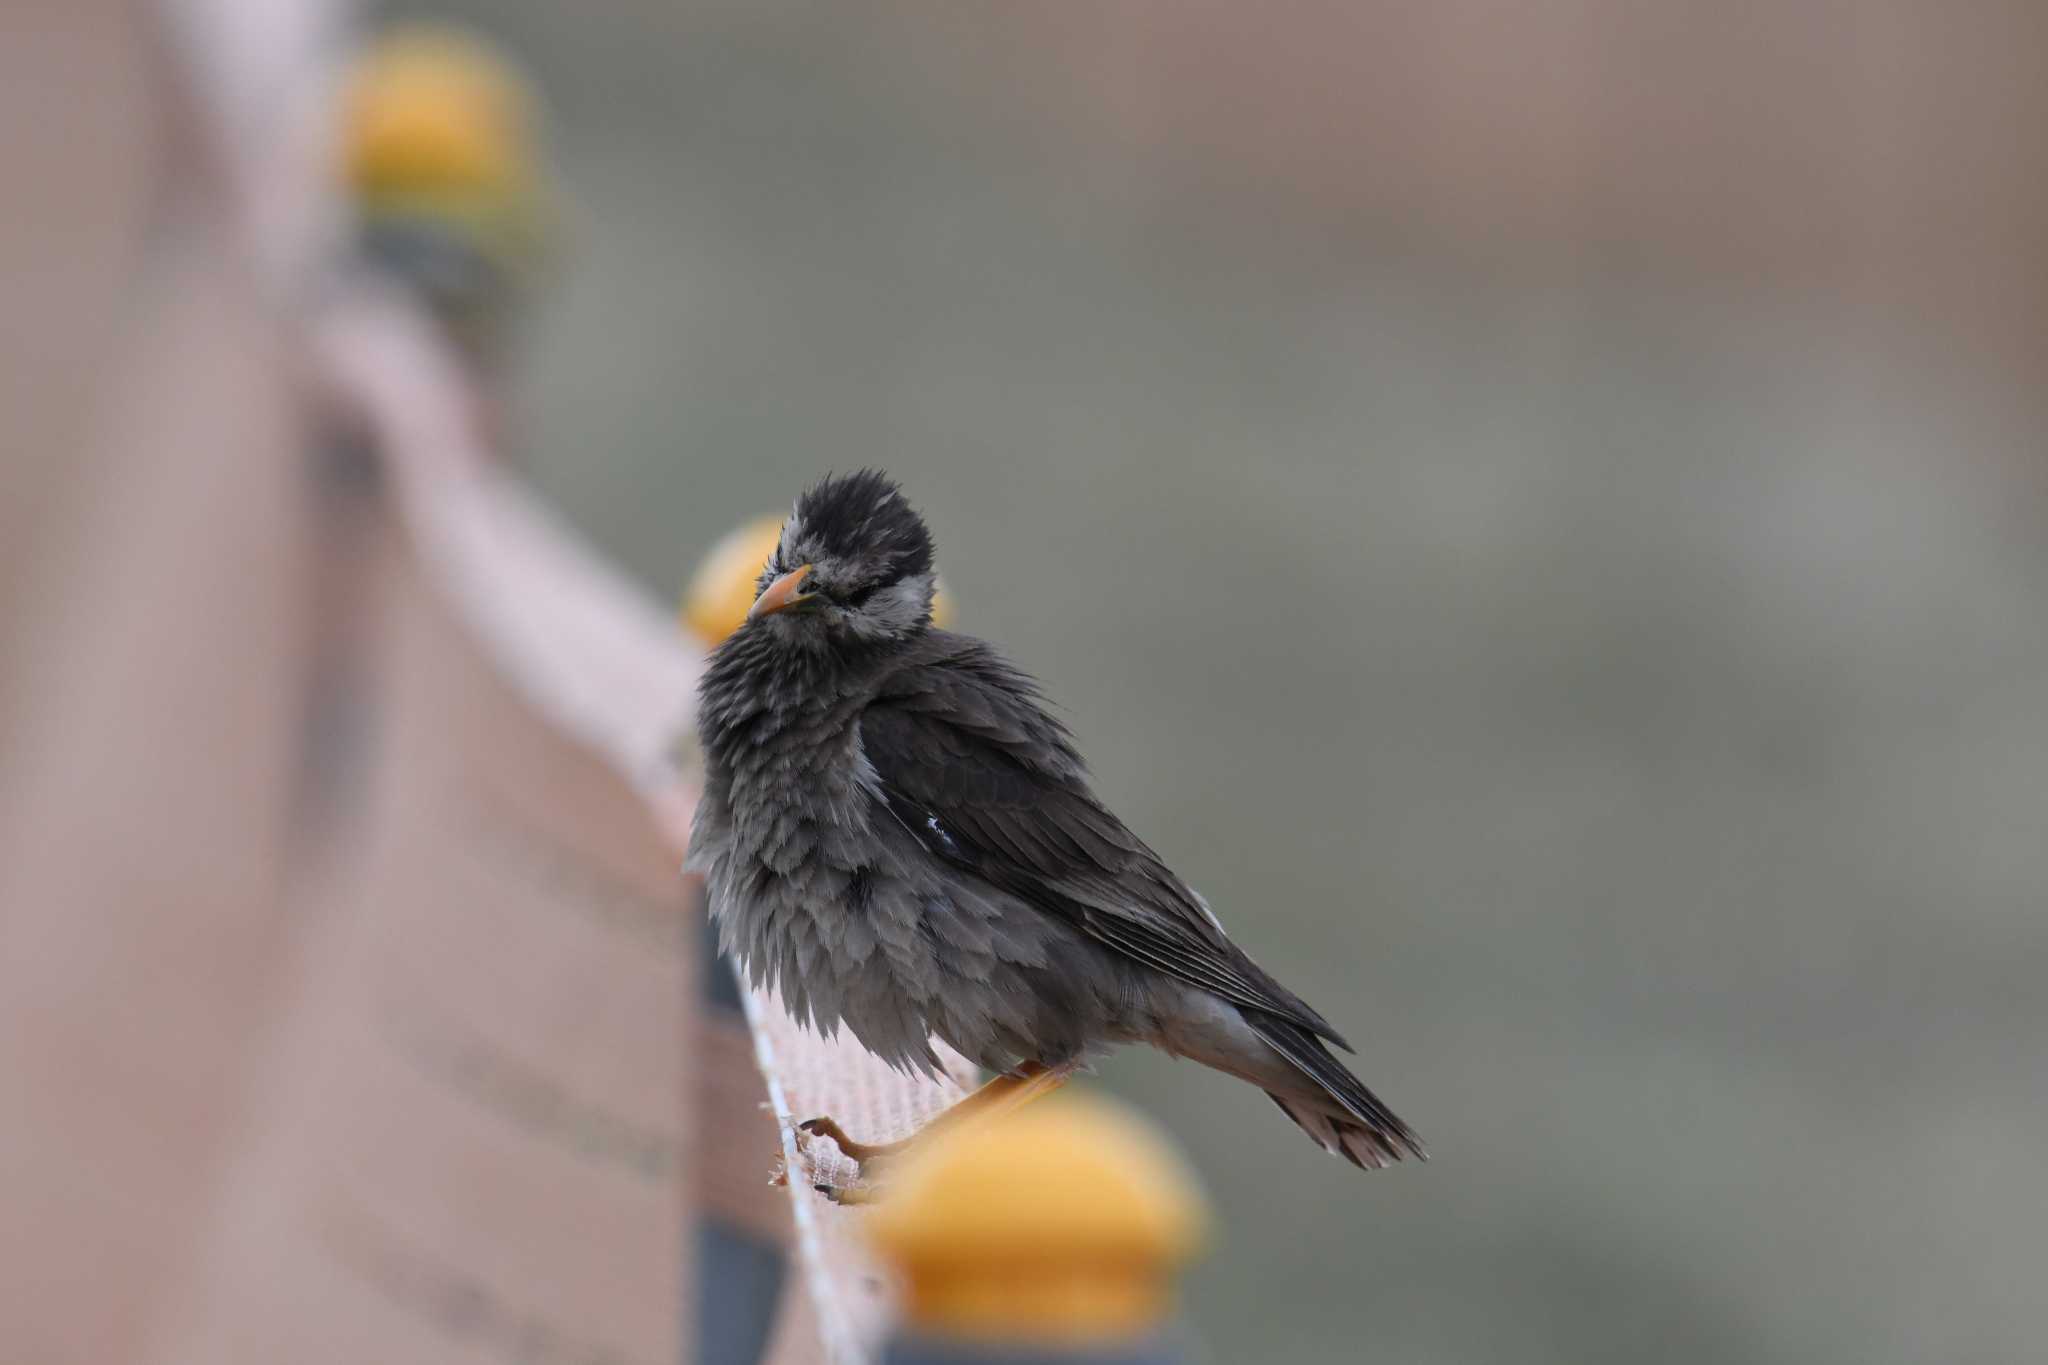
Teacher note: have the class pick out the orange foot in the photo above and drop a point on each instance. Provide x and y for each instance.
(1000, 1096)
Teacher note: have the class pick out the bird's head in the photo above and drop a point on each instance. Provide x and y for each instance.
(854, 566)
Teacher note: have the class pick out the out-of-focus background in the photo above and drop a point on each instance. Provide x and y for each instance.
(1537, 511)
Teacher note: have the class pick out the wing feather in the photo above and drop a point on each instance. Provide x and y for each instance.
(970, 762)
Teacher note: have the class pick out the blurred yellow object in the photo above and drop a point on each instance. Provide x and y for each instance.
(724, 585)
(432, 110)
(1062, 1223)
(439, 151)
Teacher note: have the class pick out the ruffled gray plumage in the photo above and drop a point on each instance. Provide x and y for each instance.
(898, 837)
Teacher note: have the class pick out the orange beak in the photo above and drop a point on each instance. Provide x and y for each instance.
(782, 594)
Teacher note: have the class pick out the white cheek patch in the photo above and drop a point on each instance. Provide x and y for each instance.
(904, 605)
(897, 609)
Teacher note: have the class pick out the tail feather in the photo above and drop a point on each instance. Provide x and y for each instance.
(1337, 1135)
(1366, 1133)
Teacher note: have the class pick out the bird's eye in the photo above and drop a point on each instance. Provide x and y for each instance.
(859, 596)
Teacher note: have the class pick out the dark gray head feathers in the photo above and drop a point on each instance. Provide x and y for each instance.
(858, 519)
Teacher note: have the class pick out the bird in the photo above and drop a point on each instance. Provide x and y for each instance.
(899, 837)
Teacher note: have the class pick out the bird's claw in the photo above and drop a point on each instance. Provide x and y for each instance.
(823, 1127)
(861, 1154)
(869, 1158)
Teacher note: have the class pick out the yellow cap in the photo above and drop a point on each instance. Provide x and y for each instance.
(1062, 1223)
(433, 109)
(723, 587)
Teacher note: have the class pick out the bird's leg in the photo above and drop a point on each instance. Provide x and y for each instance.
(860, 1152)
(1000, 1096)
(1003, 1095)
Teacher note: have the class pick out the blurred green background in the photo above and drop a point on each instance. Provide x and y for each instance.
(1538, 517)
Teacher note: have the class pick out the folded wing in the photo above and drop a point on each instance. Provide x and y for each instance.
(973, 766)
